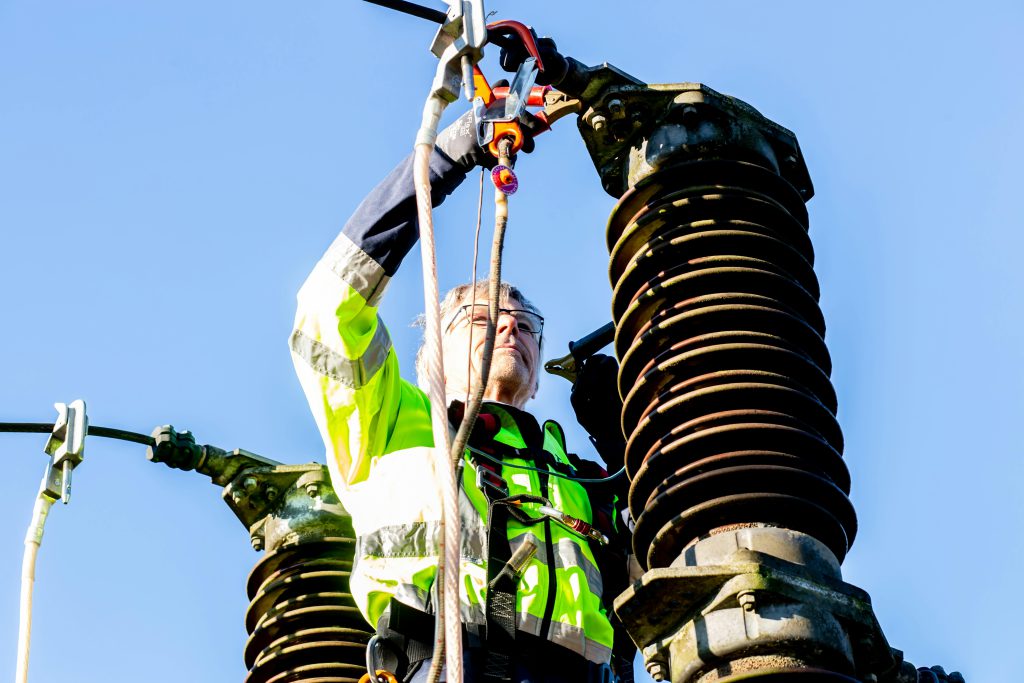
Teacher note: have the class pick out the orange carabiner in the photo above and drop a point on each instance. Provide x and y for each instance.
(383, 676)
(510, 129)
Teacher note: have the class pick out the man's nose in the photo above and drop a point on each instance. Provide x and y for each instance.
(507, 323)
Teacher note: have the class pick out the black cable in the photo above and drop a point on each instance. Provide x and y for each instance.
(434, 15)
(105, 432)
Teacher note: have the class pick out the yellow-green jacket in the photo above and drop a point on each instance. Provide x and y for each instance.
(376, 427)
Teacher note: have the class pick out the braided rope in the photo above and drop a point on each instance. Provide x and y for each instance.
(448, 631)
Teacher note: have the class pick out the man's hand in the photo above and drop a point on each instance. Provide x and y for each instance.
(595, 399)
(555, 65)
(458, 141)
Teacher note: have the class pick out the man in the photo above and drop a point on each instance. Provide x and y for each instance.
(517, 479)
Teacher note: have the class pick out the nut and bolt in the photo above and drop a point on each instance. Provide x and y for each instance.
(313, 490)
(257, 543)
(598, 122)
(249, 484)
(747, 600)
(657, 670)
(616, 108)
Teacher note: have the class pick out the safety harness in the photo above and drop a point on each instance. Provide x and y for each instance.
(408, 630)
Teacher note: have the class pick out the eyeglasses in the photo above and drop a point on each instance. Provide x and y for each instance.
(477, 314)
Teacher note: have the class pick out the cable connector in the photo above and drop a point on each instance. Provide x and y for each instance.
(66, 448)
(459, 45)
(573, 524)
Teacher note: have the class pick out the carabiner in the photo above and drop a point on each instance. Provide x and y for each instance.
(375, 673)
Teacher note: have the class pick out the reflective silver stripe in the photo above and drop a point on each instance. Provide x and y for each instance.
(568, 636)
(413, 595)
(352, 372)
(567, 555)
(357, 268)
(418, 539)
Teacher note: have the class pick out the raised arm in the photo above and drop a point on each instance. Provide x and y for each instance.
(341, 349)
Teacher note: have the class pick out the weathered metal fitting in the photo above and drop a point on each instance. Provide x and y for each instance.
(595, 120)
(275, 505)
(653, 127)
(657, 669)
(616, 109)
(746, 600)
(718, 617)
(785, 544)
(311, 482)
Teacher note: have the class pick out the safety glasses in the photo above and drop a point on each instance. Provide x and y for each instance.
(476, 314)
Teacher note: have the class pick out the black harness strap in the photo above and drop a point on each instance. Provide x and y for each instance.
(500, 605)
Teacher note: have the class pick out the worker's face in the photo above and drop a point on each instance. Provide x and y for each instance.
(513, 375)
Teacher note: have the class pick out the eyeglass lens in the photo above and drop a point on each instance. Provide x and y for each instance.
(528, 322)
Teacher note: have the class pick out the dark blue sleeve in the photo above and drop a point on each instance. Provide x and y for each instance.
(384, 224)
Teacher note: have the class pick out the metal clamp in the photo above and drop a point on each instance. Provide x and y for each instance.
(66, 448)
(579, 351)
(459, 46)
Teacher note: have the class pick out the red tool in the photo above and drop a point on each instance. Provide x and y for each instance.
(499, 121)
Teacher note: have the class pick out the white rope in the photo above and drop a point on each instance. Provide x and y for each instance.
(33, 539)
(448, 625)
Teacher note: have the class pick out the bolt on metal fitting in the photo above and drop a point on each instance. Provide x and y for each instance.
(657, 670)
(257, 543)
(271, 493)
(747, 600)
(313, 489)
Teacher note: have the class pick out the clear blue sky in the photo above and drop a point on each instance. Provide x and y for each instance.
(170, 172)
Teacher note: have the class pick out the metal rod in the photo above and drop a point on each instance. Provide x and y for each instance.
(435, 15)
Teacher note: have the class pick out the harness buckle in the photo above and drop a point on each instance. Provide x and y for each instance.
(486, 480)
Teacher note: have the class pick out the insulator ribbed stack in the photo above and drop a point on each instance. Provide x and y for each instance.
(302, 622)
(728, 406)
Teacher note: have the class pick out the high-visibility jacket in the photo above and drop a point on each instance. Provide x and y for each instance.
(377, 430)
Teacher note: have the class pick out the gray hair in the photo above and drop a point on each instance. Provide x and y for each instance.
(458, 296)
